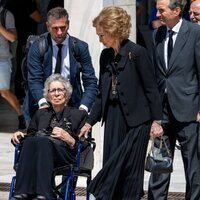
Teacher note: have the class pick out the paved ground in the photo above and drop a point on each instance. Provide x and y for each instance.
(8, 123)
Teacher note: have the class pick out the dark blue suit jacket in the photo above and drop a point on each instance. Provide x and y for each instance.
(39, 69)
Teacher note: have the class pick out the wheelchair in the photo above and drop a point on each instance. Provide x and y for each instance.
(82, 168)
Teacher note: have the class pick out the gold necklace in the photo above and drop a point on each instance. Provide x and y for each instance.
(114, 84)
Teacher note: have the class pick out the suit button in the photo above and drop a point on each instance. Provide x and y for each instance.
(127, 114)
(121, 93)
(118, 83)
(124, 103)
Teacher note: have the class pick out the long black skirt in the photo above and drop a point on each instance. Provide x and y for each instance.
(122, 175)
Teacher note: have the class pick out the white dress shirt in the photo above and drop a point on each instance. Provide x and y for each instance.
(176, 29)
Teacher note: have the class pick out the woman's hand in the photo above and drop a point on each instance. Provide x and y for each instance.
(61, 134)
(156, 129)
(85, 130)
(16, 137)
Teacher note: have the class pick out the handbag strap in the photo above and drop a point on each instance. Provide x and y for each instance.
(162, 141)
(152, 146)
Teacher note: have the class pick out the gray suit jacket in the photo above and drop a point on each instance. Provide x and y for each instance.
(181, 79)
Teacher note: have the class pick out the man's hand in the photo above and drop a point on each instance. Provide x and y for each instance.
(44, 105)
(198, 117)
(82, 109)
(85, 130)
(156, 129)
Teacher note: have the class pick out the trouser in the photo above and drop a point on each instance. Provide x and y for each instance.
(187, 136)
(38, 157)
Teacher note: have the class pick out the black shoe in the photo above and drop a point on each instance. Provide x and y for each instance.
(20, 197)
(22, 123)
(39, 197)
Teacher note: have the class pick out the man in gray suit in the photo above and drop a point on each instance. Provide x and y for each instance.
(177, 68)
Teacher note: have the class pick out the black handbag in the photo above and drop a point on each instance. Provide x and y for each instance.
(159, 159)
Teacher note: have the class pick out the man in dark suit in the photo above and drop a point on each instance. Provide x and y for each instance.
(39, 69)
(178, 79)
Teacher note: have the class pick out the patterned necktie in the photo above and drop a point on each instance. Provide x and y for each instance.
(170, 45)
(59, 59)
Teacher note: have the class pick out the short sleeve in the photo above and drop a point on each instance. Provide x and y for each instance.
(10, 20)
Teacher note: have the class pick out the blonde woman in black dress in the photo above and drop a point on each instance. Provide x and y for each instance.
(129, 105)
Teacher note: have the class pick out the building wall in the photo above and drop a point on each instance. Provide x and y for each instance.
(81, 14)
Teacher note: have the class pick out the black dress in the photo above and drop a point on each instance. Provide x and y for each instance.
(41, 154)
(124, 152)
(124, 149)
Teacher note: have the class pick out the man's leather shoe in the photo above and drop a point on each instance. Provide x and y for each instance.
(20, 197)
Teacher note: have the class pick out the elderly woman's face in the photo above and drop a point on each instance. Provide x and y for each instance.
(57, 94)
(105, 38)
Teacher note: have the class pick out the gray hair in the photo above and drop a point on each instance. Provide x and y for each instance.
(177, 3)
(57, 77)
(57, 13)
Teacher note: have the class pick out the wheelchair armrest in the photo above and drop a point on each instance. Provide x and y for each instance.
(88, 141)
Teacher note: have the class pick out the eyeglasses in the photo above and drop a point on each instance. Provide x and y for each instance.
(62, 28)
(58, 90)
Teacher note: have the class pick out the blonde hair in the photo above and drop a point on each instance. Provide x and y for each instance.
(115, 21)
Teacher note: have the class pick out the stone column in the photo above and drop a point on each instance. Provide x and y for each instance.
(81, 14)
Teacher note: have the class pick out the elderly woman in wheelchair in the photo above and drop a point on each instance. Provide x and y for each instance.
(50, 142)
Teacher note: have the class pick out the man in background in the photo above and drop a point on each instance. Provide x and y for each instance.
(177, 68)
(195, 11)
(27, 18)
(8, 35)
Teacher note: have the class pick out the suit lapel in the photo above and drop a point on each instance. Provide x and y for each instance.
(160, 53)
(48, 58)
(160, 37)
(125, 53)
(67, 113)
(73, 63)
(179, 44)
(45, 119)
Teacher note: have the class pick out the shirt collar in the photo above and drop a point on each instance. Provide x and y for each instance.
(65, 42)
(177, 27)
